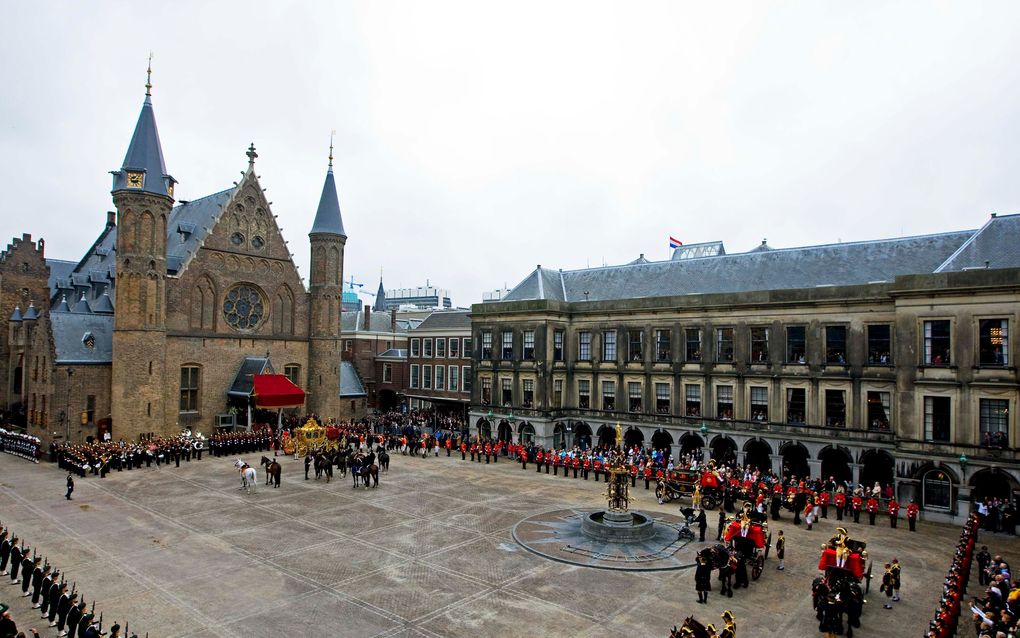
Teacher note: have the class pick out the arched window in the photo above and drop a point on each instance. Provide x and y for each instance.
(937, 490)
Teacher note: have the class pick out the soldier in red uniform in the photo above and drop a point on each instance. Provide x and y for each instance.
(840, 504)
(587, 467)
(463, 450)
(855, 505)
(576, 464)
(496, 449)
(488, 451)
(555, 463)
(597, 466)
(648, 475)
(894, 512)
(474, 450)
(449, 445)
(823, 500)
(872, 510)
(523, 455)
(539, 457)
(912, 511)
(633, 475)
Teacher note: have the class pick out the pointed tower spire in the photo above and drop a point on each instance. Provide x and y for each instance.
(144, 169)
(380, 297)
(327, 217)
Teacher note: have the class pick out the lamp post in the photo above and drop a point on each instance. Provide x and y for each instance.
(67, 407)
(963, 467)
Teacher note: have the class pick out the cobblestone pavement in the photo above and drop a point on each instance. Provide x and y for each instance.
(183, 552)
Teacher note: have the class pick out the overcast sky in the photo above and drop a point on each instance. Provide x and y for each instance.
(478, 139)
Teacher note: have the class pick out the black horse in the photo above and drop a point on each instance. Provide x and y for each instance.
(384, 460)
(726, 561)
(272, 470)
(836, 594)
(364, 469)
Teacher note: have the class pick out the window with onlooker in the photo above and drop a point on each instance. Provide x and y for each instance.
(835, 344)
(662, 398)
(937, 419)
(880, 344)
(796, 406)
(487, 390)
(693, 344)
(486, 344)
(558, 345)
(937, 342)
(724, 344)
(584, 346)
(508, 392)
(528, 393)
(529, 345)
(994, 417)
(508, 345)
(634, 403)
(584, 394)
(635, 346)
(454, 348)
(993, 342)
(415, 347)
(609, 345)
(759, 345)
(835, 408)
(879, 411)
(796, 344)
(663, 353)
(692, 399)
(387, 373)
(724, 401)
(608, 396)
(759, 404)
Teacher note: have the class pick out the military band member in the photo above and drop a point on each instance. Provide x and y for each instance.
(823, 501)
(872, 510)
(463, 451)
(895, 569)
(912, 511)
(840, 504)
(887, 585)
(855, 505)
(894, 512)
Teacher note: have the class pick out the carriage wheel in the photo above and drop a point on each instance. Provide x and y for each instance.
(708, 501)
(757, 566)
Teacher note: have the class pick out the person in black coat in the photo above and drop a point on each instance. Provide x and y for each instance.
(67, 601)
(5, 552)
(57, 592)
(70, 486)
(702, 525)
(28, 568)
(73, 618)
(703, 579)
(17, 553)
(40, 586)
(51, 583)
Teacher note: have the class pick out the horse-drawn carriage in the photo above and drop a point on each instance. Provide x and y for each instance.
(845, 564)
(705, 487)
(749, 535)
(308, 437)
(694, 629)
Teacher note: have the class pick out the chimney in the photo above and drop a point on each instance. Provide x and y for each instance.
(393, 319)
(111, 218)
(368, 317)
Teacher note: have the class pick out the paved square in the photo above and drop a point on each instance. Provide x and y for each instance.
(183, 552)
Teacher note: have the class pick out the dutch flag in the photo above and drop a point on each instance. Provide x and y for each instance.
(674, 242)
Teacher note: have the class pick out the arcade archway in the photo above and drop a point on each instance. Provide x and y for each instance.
(559, 436)
(795, 460)
(634, 437)
(607, 436)
(661, 440)
(690, 443)
(758, 454)
(504, 432)
(526, 433)
(484, 429)
(724, 450)
(582, 435)
(836, 463)
(877, 466)
(991, 483)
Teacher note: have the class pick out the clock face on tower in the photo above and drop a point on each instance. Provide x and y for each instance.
(135, 180)
(170, 190)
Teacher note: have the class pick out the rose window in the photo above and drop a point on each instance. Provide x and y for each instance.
(244, 308)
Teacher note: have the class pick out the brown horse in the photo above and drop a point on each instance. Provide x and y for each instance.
(272, 470)
(365, 472)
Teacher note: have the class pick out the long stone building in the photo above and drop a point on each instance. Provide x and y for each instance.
(886, 360)
(163, 320)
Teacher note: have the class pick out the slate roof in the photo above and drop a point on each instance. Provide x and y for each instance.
(69, 332)
(995, 245)
(354, 321)
(145, 154)
(190, 223)
(841, 264)
(640, 260)
(393, 353)
(350, 381)
(60, 269)
(327, 216)
(447, 320)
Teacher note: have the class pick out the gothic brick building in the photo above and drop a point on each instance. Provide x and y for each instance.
(159, 324)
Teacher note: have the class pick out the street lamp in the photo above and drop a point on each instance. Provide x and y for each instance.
(67, 407)
(704, 428)
(963, 463)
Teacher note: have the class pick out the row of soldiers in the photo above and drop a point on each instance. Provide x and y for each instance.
(947, 615)
(18, 444)
(235, 443)
(100, 458)
(63, 606)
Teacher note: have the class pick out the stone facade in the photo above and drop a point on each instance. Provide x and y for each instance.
(906, 381)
